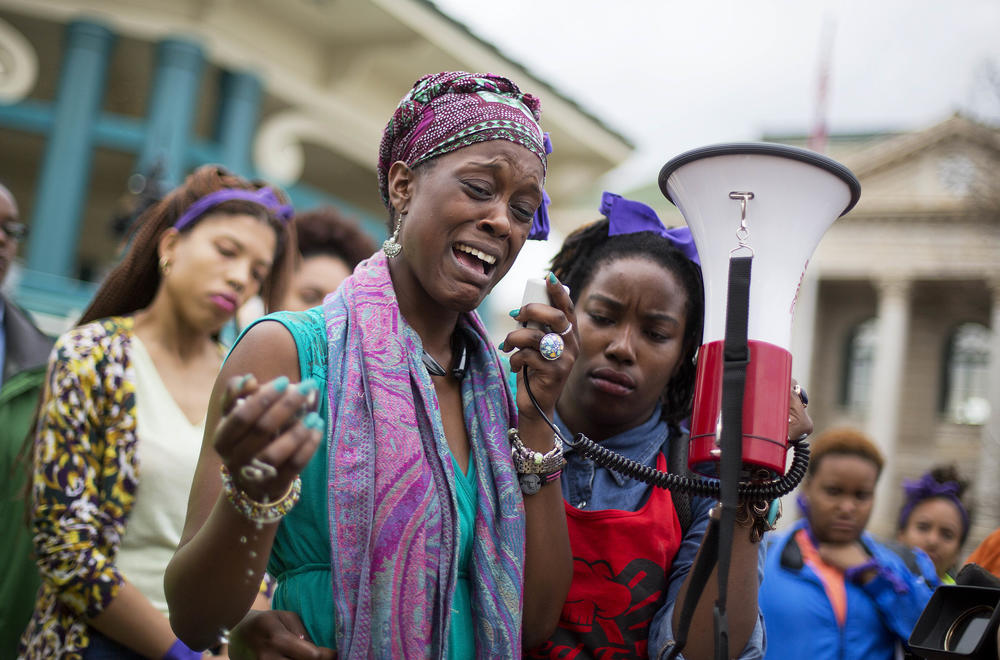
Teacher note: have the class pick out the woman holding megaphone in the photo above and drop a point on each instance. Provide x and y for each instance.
(637, 291)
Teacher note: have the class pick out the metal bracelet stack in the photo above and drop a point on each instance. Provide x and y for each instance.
(260, 512)
(527, 461)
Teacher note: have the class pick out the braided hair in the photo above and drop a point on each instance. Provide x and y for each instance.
(590, 247)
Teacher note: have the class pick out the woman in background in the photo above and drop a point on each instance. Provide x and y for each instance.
(330, 246)
(934, 519)
(123, 412)
(830, 589)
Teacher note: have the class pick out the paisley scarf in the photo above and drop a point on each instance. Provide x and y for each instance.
(392, 501)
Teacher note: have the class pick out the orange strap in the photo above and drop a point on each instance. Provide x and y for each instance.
(831, 577)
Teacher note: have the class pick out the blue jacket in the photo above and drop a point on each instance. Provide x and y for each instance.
(799, 618)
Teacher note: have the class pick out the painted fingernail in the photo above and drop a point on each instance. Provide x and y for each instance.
(307, 386)
(553, 278)
(244, 379)
(313, 421)
(280, 383)
(515, 312)
(500, 346)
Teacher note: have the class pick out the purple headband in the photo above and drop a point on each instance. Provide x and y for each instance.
(265, 197)
(627, 217)
(927, 487)
(540, 223)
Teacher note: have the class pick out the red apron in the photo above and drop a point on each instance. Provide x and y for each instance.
(621, 565)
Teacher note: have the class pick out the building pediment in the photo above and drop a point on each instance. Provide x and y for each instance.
(943, 167)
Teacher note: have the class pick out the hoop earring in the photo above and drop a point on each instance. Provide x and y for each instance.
(391, 245)
(164, 266)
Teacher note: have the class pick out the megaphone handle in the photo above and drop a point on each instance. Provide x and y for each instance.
(734, 371)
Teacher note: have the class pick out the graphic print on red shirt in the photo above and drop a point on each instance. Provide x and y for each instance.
(621, 565)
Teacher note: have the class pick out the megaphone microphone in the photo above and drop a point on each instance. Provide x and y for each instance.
(770, 203)
(756, 212)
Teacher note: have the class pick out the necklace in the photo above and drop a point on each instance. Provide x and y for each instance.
(434, 367)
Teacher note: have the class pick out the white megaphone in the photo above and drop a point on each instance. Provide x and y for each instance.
(774, 203)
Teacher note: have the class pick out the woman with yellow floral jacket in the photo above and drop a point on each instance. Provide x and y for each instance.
(123, 412)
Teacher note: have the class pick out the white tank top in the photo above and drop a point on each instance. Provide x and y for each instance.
(167, 450)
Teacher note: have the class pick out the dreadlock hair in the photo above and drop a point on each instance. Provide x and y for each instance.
(133, 284)
(589, 248)
(327, 231)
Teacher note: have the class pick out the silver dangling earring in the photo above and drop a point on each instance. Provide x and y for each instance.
(391, 245)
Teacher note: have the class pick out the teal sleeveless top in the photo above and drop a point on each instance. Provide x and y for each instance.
(300, 556)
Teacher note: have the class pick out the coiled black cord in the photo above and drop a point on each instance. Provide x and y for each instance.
(697, 486)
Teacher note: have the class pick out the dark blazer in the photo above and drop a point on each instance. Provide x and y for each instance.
(23, 379)
(27, 346)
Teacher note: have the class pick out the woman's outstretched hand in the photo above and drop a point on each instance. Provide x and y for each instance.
(274, 635)
(267, 433)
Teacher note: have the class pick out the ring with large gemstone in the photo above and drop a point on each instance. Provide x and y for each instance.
(551, 346)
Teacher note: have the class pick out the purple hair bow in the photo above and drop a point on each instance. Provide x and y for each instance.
(926, 487)
(540, 223)
(627, 217)
(264, 196)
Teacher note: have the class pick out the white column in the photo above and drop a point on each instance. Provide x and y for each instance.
(804, 330)
(887, 385)
(987, 512)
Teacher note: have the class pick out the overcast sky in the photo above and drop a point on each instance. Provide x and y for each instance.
(675, 75)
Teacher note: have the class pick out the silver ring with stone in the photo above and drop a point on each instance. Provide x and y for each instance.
(569, 329)
(551, 347)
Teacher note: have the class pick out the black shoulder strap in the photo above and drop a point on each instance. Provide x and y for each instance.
(791, 555)
(906, 554)
(677, 463)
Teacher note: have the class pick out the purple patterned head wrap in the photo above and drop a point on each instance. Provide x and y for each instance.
(264, 197)
(454, 109)
(927, 487)
(627, 217)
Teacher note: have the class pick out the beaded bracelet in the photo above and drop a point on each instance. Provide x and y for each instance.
(260, 512)
(528, 461)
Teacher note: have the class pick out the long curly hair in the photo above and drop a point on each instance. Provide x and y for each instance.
(133, 284)
(590, 247)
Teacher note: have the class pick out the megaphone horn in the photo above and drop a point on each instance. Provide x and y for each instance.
(774, 203)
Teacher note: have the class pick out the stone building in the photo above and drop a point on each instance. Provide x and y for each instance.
(96, 92)
(900, 311)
